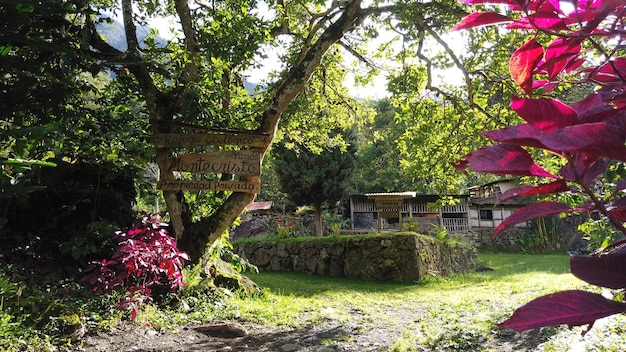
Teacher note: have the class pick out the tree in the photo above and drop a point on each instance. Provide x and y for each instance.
(377, 168)
(198, 82)
(193, 82)
(37, 86)
(443, 116)
(578, 44)
(54, 107)
(315, 178)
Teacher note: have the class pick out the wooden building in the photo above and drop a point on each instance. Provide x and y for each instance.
(392, 211)
(485, 210)
(479, 209)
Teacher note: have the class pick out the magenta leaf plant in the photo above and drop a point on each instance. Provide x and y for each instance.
(574, 42)
(145, 256)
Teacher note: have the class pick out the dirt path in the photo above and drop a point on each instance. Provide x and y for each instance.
(359, 334)
(233, 336)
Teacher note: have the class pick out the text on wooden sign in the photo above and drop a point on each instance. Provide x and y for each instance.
(233, 186)
(165, 140)
(245, 162)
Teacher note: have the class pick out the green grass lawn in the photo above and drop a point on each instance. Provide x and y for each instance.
(456, 313)
(514, 279)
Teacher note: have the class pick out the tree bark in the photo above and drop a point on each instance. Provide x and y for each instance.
(319, 226)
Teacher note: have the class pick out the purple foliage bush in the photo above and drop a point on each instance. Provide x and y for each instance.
(145, 256)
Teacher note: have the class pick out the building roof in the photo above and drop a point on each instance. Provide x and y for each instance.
(259, 206)
(394, 195)
(504, 180)
(417, 195)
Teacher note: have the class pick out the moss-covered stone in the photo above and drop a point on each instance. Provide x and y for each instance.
(225, 276)
(402, 257)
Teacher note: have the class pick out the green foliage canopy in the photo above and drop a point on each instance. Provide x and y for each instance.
(315, 178)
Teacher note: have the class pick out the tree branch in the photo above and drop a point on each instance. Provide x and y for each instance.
(358, 55)
(286, 89)
(130, 31)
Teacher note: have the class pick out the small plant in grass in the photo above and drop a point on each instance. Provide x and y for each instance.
(581, 41)
(334, 223)
(440, 233)
(223, 249)
(146, 257)
(411, 225)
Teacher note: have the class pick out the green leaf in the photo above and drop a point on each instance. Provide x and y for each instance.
(26, 163)
(5, 50)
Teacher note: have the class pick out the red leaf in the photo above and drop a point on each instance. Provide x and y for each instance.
(538, 83)
(532, 211)
(587, 167)
(559, 54)
(523, 62)
(478, 19)
(594, 170)
(461, 165)
(589, 108)
(607, 270)
(547, 85)
(528, 190)
(596, 12)
(617, 210)
(605, 139)
(621, 185)
(551, 6)
(612, 72)
(573, 65)
(547, 20)
(523, 135)
(503, 159)
(572, 307)
(520, 24)
(615, 95)
(546, 114)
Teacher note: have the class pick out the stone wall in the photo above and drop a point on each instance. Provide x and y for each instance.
(401, 257)
(509, 238)
(569, 238)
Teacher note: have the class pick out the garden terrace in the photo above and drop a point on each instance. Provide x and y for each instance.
(400, 257)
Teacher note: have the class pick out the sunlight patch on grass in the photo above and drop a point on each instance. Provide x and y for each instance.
(442, 313)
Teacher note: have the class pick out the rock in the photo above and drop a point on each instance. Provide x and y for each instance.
(225, 330)
(261, 256)
(326, 349)
(227, 277)
(290, 347)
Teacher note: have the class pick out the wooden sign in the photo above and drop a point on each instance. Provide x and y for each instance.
(171, 140)
(243, 162)
(233, 186)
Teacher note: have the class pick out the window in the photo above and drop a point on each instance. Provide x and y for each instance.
(486, 214)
